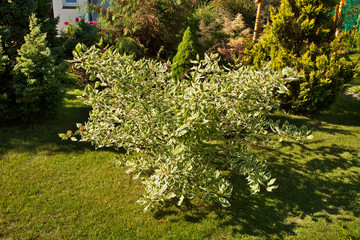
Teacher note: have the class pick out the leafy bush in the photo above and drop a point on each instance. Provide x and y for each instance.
(234, 52)
(36, 91)
(300, 37)
(186, 51)
(190, 134)
(151, 23)
(215, 25)
(127, 45)
(247, 8)
(80, 32)
(347, 41)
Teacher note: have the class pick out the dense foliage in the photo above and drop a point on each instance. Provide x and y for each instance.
(301, 37)
(247, 8)
(157, 25)
(14, 22)
(152, 24)
(79, 32)
(3, 66)
(27, 60)
(192, 134)
(3, 58)
(33, 91)
(217, 25)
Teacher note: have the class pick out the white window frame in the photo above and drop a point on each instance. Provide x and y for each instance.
(67, 4)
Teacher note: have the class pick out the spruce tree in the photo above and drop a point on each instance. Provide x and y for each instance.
(186, 51)
(35, 85)
(14, 22)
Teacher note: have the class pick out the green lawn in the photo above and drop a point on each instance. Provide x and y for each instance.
(53, 189)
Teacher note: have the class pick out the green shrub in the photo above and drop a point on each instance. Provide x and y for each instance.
(36, 89)
(346, 41)
(80, 32)
(214, 25)
(301, 37)
(247, 8)
(151, 23)
(190, 135)
(186, 52)
(128, 45)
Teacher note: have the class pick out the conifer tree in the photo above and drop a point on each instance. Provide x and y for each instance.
(186, 50)
(36, 88)
(14, 22)
(301, 22)
(301, 37)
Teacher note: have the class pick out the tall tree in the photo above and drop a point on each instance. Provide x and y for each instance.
(36, 88)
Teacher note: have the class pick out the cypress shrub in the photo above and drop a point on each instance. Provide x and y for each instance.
(301, 37)
(186, 51)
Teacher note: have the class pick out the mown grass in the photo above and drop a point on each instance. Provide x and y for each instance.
(53, 189)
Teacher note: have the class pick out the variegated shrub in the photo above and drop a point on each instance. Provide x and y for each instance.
(188, 134)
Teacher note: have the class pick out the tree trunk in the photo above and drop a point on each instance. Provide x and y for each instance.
(338, 12)
(257, 22)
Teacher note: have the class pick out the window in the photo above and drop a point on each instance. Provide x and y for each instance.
(70, 3)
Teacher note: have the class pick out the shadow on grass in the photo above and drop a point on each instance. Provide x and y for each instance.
(316, 181)
(28, 137)
(345, 112)
(324, 182)
(302, 192)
